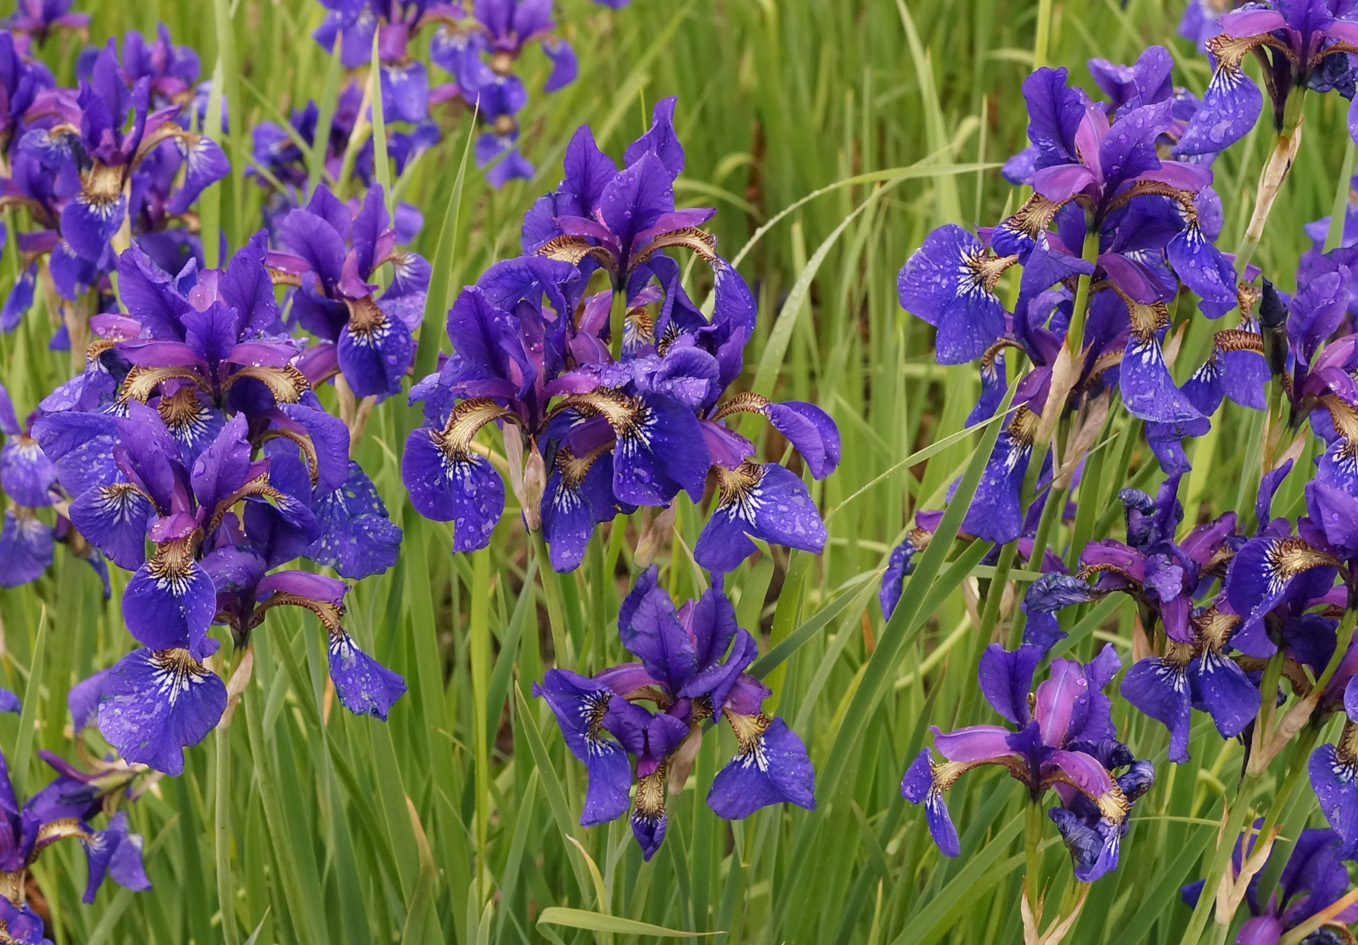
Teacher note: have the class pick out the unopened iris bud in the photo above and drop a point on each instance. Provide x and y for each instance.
(1272, 322)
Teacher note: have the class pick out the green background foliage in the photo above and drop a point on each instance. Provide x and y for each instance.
(831, 136)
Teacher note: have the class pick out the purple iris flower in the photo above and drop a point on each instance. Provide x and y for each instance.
(86, 141)
(330, 254)
(611, 432)
(901, 562)
(1064, 740)
(1295, 40)
(44, 819)
(1313, 879)
(38, 18)
(691, 667)
(171, 70)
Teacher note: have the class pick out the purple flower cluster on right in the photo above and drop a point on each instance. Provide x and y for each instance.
(1247, 617)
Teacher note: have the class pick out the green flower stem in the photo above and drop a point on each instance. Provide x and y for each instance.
(551, 592)
(1238, 809)
(1032, 837)
(617, 322)
(222, 828)
(1075, 334)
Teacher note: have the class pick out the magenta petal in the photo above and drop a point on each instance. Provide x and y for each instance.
(974, 743)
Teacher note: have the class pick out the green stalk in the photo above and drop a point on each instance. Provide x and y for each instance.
(1238, 810)
(1044, 29)
(1089, 253)
(222, 827)
(551, 591)
(617, 322)
(479, 652)
(1032, 837)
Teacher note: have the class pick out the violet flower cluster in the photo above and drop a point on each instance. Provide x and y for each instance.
(89, 168)
(691, 667)
(1248, 617)
(616, 397)
(478, 45)
(63, 810)
(195, 426)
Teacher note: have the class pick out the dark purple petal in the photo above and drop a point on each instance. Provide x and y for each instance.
(772, 768)
(764, 501)
(1228, 111)
(114, 852)
(1332, 779)
(1160, 689)
(1201, 266)
(374, 353)
(19, 300)
(156, 703)
(205, 163)
(655, 636)
(659, 140)
(918, 786)
(357, 539)
(170, 602)
(364, 686)
(465, 490)
(26, 474)
(1230, 697)
(579, 704)
(88, 223)
(660, 452)
(811, 430)
(1148, 390)
(25, 549)
(114, 519)
(1006, 677)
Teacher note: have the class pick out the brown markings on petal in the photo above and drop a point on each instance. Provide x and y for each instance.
(985, 268)
(1344, 416)
(1230, 51)
(650, 802)
(464, 421)
(1177, 653)
(141, 382)
(54, 830)
(1023, 428)
(283, 277)
(745, 402)
(1289, 557)
(1214, 629)
(1154, 188)
(638, 323)
(1346, 749)
(1035, 216)
(174, 561)
(329, 613)
(1146, 319)
(1238, 339)
(693, 238)
(748, 728)
(364, 316)
(183, 413)
(573, 249)
(304, 443)
(287, 384)
(575, 468)
(1247, 297)
(103, 184)
(733, 485)
(623, 413)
